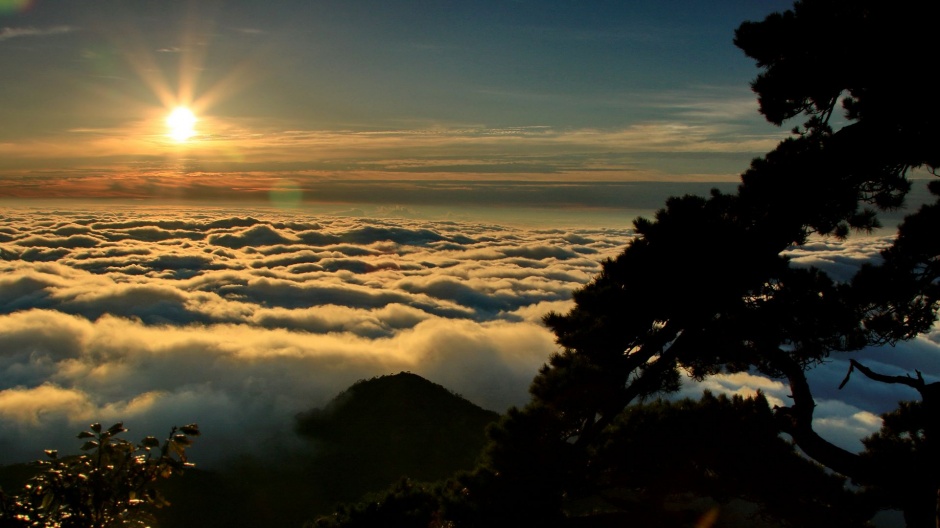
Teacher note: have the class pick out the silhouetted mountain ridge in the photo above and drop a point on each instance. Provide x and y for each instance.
(397, 425)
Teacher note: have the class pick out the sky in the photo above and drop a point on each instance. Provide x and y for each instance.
(362, 188)
(298, 94)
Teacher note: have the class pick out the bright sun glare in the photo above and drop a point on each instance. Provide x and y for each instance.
(181, 122)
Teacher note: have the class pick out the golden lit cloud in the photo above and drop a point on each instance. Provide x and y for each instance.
(31, 405)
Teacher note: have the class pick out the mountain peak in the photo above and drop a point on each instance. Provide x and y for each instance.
(399, 424)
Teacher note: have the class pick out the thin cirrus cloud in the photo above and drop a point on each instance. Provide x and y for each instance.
(238, 320)
(541, 153)
(8, 33)
(704, 136)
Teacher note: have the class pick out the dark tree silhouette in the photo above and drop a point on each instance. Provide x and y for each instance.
(710, 448)
(704, 288)
(901, 443)
(664, 463)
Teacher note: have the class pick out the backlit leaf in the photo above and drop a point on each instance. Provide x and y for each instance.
(191, 429)
(117, 428)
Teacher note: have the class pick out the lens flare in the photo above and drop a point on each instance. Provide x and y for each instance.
(14, 6)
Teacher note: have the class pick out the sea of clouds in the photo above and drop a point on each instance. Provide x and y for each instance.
(238, 319)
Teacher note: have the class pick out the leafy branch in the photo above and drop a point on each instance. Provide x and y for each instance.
(111, 484)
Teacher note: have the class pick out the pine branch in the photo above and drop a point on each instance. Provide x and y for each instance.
(915, 383)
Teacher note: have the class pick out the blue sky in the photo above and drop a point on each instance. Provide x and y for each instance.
(313, 91)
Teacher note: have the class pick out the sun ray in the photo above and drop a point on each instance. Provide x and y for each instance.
(236, 79)
(177, 89)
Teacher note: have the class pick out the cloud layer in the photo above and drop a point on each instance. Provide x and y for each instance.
(242, 320)
(239, 319)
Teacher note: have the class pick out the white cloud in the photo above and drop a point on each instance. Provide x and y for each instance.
(839, 258)
(844, 424)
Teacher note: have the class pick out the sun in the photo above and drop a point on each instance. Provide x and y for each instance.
(182, 123)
